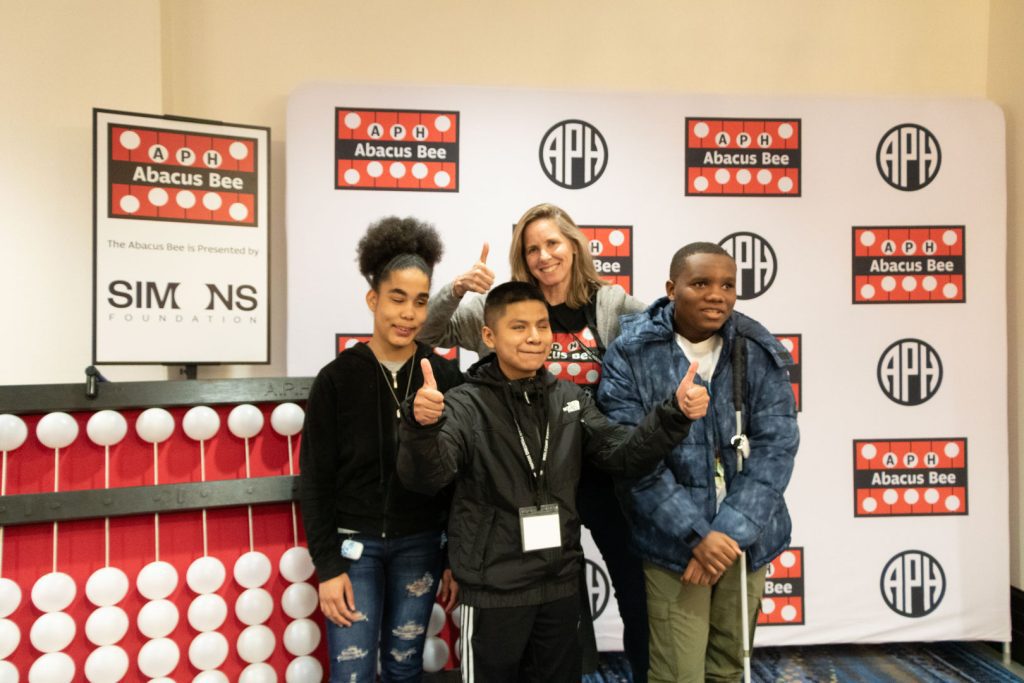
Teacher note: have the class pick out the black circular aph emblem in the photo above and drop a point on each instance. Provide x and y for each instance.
(909, 372)
(573, 154)
(598, 588)
(756, 263)
(908, 157)
(913, 583)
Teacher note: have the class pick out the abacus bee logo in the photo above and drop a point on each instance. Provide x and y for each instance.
(756, 263)
(396, 149)
(913, 584)
(912, 265)
(573, 154)
(783, 601)
(910, 477)
(173, 175)
(908, 157)
(611, 247)
(743, 157)
(598, 588)
(909, 372)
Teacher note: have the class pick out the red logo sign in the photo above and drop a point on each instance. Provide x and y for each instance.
(915, 265)
(910, 477)
(743, 157)
(783, 601)
(397, 149)
(611, 247)
(158, 174)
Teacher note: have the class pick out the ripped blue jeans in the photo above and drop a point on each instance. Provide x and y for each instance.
(394, 584)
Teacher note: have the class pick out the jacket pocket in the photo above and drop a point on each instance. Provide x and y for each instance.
(480, 543)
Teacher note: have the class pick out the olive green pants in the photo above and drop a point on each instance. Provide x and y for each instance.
(696, 634)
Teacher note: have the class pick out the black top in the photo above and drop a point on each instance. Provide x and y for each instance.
(348, 452)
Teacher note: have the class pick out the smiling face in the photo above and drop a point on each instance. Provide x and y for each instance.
(704, 293)
(548, 254)
(521, 337)
(399, 308)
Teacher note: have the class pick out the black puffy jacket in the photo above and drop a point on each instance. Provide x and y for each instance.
(477, 445)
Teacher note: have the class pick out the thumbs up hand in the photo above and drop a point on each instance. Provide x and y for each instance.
(692, 398)
(429, 402)
(477, 279)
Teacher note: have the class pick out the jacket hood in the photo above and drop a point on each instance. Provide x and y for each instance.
(656, 322)
(486, 371)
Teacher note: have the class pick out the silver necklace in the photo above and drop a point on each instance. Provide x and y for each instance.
(394, 380)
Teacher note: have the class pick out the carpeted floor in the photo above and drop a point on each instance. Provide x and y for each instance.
(948, 662)
(894, 663)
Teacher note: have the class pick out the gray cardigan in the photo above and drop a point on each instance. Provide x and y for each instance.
(449, 324)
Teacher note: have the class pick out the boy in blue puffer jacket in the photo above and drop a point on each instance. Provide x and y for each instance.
(693, 516)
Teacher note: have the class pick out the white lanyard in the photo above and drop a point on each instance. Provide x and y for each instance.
(526, 449)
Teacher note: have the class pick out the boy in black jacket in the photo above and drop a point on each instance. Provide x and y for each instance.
(512, 439)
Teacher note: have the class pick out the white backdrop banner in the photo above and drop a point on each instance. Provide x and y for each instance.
(181, 234)
(870, 236)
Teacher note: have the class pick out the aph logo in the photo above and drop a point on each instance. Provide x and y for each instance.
(909, 477)
(915, 265)
(743, 157)
(598, 588)
(908, 157)
(396, 149)
(347, 341)
(783, 601)
(913, 583)
(909, 372)
(173, 175)
(611, 247)
(794, 344)
(573, 154)
(756, 264)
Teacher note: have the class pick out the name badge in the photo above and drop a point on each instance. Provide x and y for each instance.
(540, 528)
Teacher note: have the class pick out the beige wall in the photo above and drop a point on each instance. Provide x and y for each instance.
(237, 61)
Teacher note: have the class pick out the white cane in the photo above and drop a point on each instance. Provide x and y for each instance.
(742, 446)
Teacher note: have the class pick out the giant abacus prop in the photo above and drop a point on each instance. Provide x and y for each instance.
(159, 543)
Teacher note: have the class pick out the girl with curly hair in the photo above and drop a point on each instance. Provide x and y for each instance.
(377, 547)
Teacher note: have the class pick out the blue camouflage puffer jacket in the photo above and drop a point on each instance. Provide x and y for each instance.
(673, 508)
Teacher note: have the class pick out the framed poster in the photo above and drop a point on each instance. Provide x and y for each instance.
(180, 240)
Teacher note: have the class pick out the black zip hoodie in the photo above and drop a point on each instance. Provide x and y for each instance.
(347, 456)
(476, 444)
